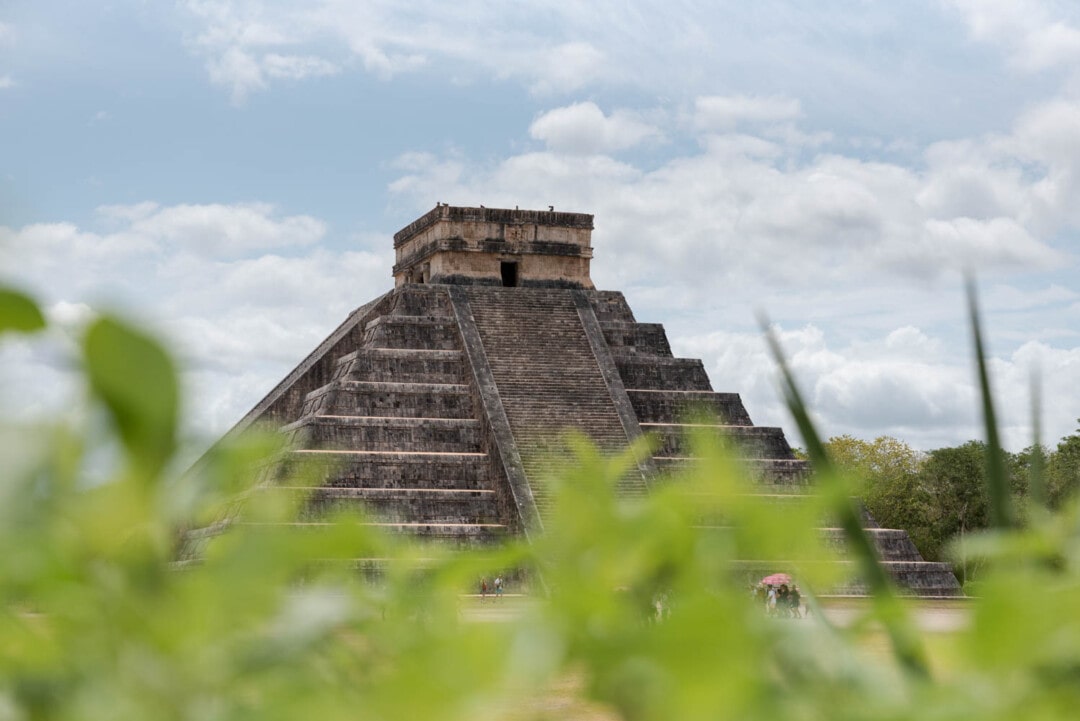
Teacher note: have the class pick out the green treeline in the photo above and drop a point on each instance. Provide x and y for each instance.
(940, 496)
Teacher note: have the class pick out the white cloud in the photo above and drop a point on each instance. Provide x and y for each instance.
(69, 315)
(238, 70)
(212, 230)
(297, 67)
(206, 276)
(910, 340)
(1000, 242)
(745, 204)
(567, 67)
(723, 114)
(144, 241)
(1032, 32)
(6, 82)
(583, 129)
(227, 230)
(549, 47)
(880, 387)
(907, 384)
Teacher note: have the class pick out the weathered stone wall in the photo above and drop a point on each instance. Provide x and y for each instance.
(484, 268)
(629, 337)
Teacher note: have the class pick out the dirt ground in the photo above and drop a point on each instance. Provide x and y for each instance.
(931, 615)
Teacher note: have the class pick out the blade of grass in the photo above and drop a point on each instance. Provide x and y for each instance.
(906, 644)
(997, 478)
(1037, 482)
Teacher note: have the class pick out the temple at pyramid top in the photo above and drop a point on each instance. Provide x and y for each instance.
(495, 246)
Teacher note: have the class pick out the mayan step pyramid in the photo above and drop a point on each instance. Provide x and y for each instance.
(432, 405)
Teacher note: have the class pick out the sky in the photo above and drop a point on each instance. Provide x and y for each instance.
(231, 173)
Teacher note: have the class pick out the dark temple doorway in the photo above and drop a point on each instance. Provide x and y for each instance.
(509, 273)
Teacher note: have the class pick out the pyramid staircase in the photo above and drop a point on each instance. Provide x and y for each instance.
(549, 378)
(397, 428)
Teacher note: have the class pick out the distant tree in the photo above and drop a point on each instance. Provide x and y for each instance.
(957, 503)
(887, 470)
(1063, 470)
(940, 496)
(954, 483)
(1023, 466)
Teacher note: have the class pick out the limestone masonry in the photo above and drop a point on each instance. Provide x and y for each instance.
(432, 404)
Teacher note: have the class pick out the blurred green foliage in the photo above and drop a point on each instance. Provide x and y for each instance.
(99, 618)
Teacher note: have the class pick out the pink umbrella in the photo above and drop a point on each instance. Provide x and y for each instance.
(777, 579)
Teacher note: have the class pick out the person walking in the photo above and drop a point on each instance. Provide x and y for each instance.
(498, 587)
(483, 589)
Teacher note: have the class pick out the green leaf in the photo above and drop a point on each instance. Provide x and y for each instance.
(136, 380)
(19, 313)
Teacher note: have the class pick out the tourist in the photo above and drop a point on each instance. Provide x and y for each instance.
(782, 600)
(795, 599)
(770, 601)
(483, 589)
(498, 587)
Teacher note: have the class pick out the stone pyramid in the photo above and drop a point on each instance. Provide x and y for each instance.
(432, 404)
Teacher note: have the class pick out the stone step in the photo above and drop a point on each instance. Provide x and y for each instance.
(421, 300)
(455, 435)
(454, 534)
(778, 475)
(674, 406)
(402, 365)
(917, 578)
(377, 493)
(434, 332)
(532, 338)
(744, 441)
(891, 544)
(390, 505)
(400, 400)
(460, 533)
(779, 472)
(648, 339)
(359, 469)
(610, 306)
(659, 373)
(713, 513)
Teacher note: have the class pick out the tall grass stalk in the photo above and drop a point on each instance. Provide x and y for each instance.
(997, 477)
